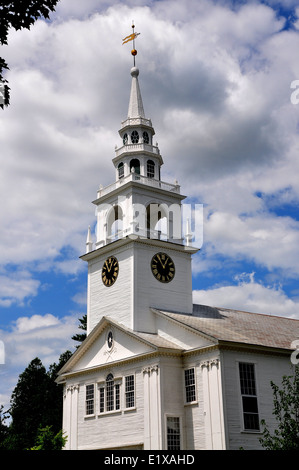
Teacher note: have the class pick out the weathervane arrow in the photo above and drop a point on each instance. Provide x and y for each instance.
(132, 37)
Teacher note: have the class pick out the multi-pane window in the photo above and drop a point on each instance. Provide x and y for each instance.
(134, 137)
(190, 388)
(89, 399)
(145, 137)
(130, 391)
(102, 399)
(109, 395)
(249, 396)
(121, 170)
(150, 169)
(173, 433)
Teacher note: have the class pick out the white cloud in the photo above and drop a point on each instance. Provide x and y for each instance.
(267, 240)
(25, 324)
(44, 336)
(216, 79)
(249, 295)
(17, 287)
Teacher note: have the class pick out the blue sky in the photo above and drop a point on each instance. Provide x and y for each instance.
(215, 78)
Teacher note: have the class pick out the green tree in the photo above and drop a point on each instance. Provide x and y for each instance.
(36, 402)
(19, 14)
(48, 440)
(3, 427)
(83, 326)
(286, 411)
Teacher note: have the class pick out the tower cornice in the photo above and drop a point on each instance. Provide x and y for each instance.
(122, 242)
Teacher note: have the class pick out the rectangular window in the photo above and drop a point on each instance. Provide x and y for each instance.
(89, 399)
(117, 397)
(190, 385)
(109, 395)
(130, 391)
(102, 400)
(173, 433)
(150, 169)
(249, 396)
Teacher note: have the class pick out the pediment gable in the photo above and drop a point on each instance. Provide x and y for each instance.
(111, 342)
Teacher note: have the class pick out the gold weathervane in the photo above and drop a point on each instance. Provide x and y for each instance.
(132, 37)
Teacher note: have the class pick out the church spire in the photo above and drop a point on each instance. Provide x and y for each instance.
(136, 109)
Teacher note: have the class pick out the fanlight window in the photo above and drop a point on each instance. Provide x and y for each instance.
(134, 137)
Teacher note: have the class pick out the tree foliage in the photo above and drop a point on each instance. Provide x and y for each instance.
(48, 440)
(36, 403)
(19, 14)
(286, 411)
(36, 406)
(82, 326)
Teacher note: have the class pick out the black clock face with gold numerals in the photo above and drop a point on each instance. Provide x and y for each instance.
(110, 271)
(162, 267)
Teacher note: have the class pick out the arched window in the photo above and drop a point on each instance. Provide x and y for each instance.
(135, 163)
(125, 139)
(114, 223)
(109, 394)
(157, 221)
(134, 137)
(145, 137)
(150, 169)
(121, 170)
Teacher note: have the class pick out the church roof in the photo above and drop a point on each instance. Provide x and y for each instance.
(239, 326)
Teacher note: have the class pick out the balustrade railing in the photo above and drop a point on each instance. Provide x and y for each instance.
(140, 179)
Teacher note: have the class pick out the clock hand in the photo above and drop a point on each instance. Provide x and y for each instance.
(109, 269)
(160, 261)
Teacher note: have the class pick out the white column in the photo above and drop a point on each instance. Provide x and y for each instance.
(152, 408)
(74, 420)
(70, 416)
(213, 405)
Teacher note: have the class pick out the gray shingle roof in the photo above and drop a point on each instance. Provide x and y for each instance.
(242, 327)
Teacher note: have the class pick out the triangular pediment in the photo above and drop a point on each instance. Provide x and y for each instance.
(110, 342)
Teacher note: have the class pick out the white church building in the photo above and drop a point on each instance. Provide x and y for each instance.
(157, 372)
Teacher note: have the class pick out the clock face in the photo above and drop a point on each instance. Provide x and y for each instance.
(163, 267)
(110, 271)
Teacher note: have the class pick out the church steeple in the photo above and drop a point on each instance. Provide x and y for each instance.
(138, 153)
(139, 259)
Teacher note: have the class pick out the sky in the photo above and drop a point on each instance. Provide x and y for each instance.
(216, 78)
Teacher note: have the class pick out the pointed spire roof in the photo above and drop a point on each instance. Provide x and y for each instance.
(135, 105)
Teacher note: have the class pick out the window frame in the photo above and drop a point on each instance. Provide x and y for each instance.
(88, 400)
(194, 386)
(167, 436)
(121, 170)
(252, 394)
(109, 398)
(135, 137)
(150, 169)
(128, 393)
(145, 137)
